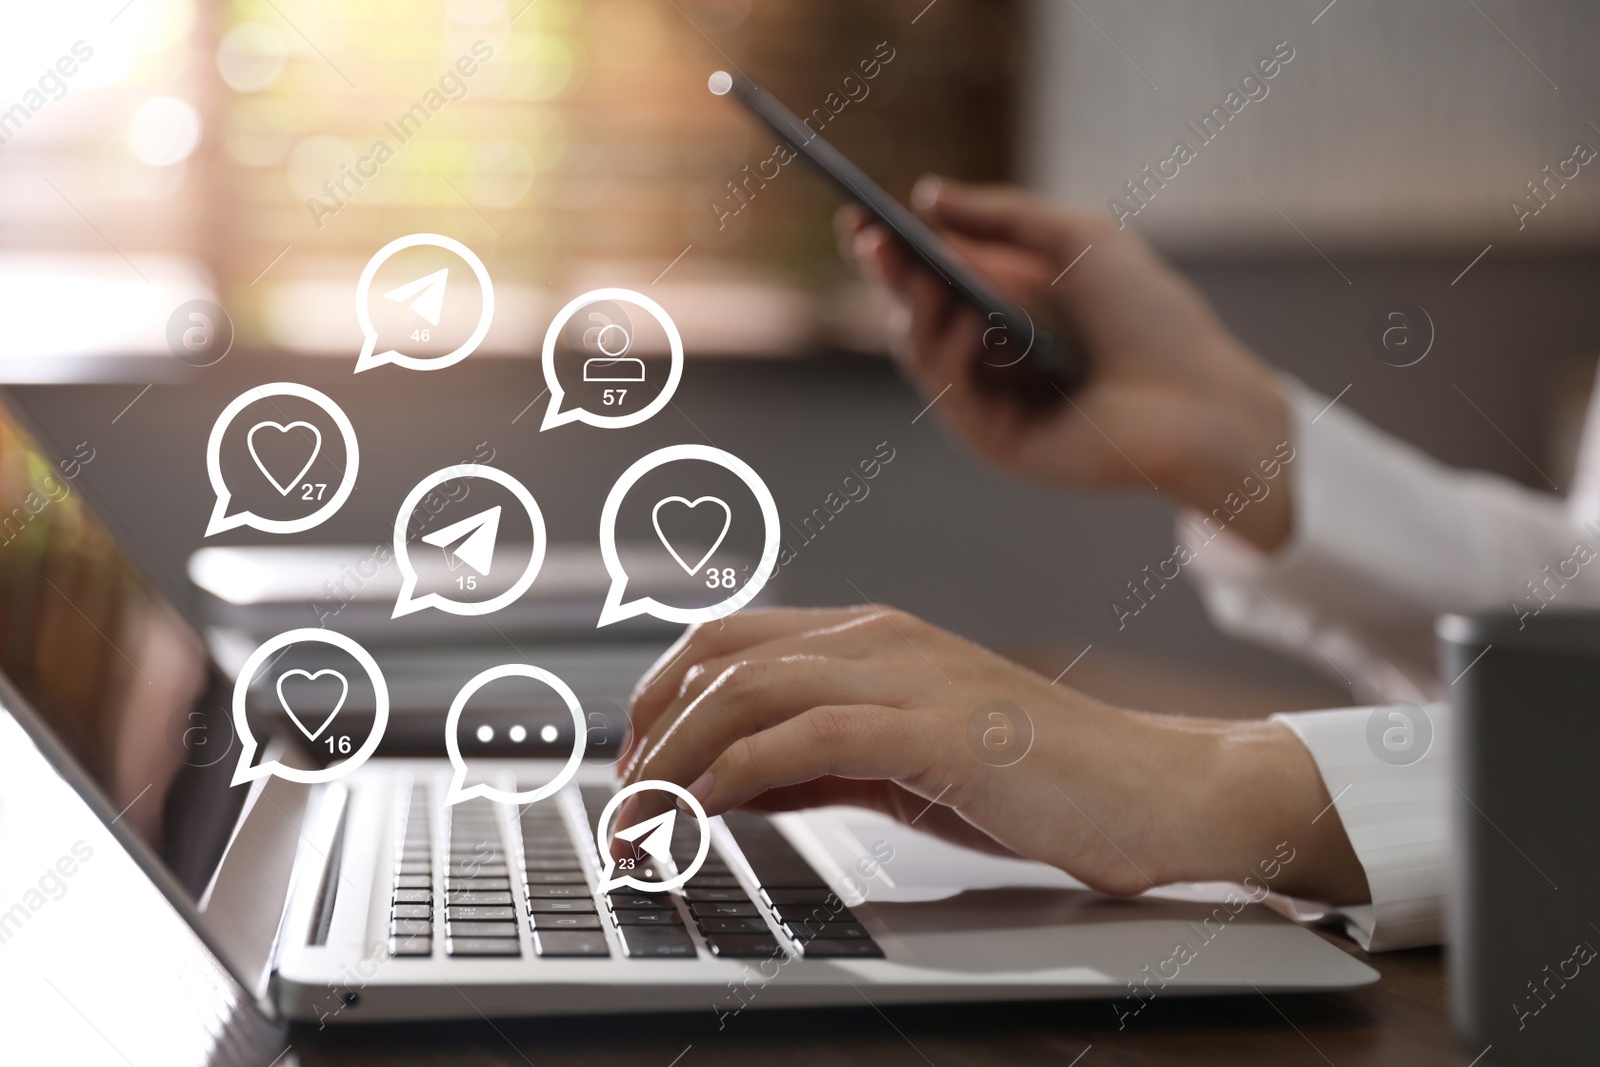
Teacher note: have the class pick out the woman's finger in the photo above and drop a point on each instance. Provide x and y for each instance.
(1008, 214)
(852, 640)
(660, 684)
(750, 697)
(848, 741)
(883, 258)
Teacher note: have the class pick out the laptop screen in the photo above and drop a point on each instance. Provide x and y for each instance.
(112, 668)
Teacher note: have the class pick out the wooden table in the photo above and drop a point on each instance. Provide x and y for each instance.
(1399, 1021)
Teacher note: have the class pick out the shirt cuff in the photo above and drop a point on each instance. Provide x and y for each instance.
(1386, 770)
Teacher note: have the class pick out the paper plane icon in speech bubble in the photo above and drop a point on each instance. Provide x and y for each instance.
(657, 834)
(473, 539)
(426, 295)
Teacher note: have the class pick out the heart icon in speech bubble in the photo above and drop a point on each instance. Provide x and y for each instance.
(284, 488)
(344, 691)
(727, 521)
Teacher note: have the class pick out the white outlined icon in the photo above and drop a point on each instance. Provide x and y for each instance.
(424, 297)
(653, 836)
(616, 608)
(613, 340)
(288, 705)
(459, 790)
(221, 520)
(266, 653)
(470, 541)
(308, 429)
(473, 540)
(666, 542)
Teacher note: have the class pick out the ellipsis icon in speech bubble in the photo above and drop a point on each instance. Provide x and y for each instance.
(426, 288)
(554, 416)
(616, 608)
(220, 519)
(407, 603)
(243, 772)
(653, 836)
(459, 790)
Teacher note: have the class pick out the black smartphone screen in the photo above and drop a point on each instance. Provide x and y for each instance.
(1012, 335)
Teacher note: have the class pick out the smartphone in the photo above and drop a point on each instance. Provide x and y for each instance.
(1012, 335)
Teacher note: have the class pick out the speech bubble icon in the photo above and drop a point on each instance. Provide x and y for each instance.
(220, 519)
(615, 608)
(477, 544)
(459, 790)
(426, 295)
(243, 772)
(613, 347)
(652, 839)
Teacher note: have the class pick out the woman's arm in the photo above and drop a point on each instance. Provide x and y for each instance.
(871, 706)
(1363, 541)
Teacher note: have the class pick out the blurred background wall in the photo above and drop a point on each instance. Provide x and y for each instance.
(1381, 166)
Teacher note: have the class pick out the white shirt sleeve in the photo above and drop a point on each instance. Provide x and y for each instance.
(1386, 770)
(1385, 539)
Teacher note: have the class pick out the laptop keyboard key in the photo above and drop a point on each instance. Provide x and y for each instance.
(477, 897)
(647, 917)
(467, 884)
(558, 864)
(570, 943)
(557, 878)
(478, 870)
(413, 896)
(826, 931)
(541, 905)
(411, 928)
(863, 948)
(715, 894)
(656, 942)
(481, 913)
(722, 909)
(820, 895)
(814, 913)
(742, 946)
(636, 900)
(745, 924)
(483, 946)
(411, 911)
(564, 922)
(411, 946)
(569, 890)
(413, 881)
(481, 929)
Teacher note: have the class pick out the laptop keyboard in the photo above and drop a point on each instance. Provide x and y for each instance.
(480, 917)
(411, 917)
(549, 882)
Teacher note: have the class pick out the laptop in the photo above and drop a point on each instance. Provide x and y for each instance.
(370, 898)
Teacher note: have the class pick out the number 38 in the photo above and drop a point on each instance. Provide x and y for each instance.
(720, 579)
